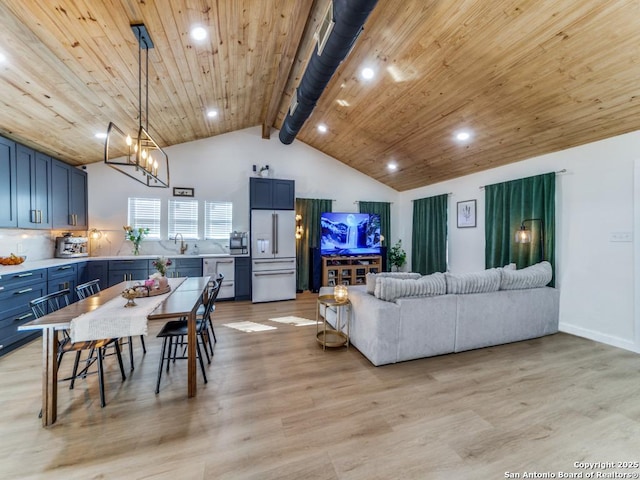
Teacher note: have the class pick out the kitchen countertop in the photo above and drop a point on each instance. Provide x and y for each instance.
(54, 262)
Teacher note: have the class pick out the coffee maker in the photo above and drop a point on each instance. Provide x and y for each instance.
(238, 243)
(71, 247)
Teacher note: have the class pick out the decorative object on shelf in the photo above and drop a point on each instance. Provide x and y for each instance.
(140, 158)
(135, 236)
(341, 293)
(264, 171)
(523, 235)
(467, 214)
(397, 256)
(299, 227)
(183, 192)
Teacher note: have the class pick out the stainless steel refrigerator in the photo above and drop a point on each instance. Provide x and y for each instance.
(273, 255)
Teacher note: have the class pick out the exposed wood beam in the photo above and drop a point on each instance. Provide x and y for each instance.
(283, 64)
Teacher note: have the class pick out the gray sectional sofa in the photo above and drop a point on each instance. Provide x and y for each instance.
(410, 327)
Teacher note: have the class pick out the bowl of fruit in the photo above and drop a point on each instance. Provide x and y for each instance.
(12, 259)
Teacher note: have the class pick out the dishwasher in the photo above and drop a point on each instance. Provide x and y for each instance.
(226, 266)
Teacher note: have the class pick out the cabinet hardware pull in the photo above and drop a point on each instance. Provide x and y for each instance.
(23, 317)
(22, 275)
(26, 290)
(65, 267)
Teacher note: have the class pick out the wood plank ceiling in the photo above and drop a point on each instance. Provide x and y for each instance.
(525, 77)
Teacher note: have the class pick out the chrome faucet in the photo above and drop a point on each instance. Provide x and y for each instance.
(183, 246)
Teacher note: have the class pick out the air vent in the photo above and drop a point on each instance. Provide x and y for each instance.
(325, 28)
(294, 102)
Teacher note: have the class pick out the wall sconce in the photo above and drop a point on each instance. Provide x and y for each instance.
(341, 293)
(299, 228)
(95, 234)
(523, 235)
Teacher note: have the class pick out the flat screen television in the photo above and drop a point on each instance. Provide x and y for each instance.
(344, 233)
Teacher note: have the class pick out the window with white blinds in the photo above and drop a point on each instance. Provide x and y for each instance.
(217, 220)
(145, 213)
(183, 218)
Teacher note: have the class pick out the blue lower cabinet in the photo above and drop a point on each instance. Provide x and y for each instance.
(14, 307)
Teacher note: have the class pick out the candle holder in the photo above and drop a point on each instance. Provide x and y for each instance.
(341, 293)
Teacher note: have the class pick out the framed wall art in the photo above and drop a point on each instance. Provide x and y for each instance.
(467, 214)
(182, 192)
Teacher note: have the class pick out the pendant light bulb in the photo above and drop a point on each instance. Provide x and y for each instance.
(128, 140)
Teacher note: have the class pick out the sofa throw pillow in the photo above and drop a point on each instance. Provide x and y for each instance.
(391, 288)
(371, 278)
(474, 282)
(535, 276)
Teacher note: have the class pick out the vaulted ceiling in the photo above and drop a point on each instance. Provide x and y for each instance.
(524, 77)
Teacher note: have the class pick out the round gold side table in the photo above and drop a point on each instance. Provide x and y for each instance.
(329, 337)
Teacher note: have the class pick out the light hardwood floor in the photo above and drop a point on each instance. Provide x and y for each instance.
(278, 407)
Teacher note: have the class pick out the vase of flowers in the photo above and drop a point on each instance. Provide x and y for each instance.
(135, 236)
(161, 264)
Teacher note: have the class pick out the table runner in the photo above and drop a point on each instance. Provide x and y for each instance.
(112, 320)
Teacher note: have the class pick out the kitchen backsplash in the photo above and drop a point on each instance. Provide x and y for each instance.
(35, 244)
(40, 245)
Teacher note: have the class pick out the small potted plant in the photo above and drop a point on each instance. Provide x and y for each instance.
(397, 256)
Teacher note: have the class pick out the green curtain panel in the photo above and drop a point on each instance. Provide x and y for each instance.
(384, 210)
(310, 209)
(507, 204)
(429, 239)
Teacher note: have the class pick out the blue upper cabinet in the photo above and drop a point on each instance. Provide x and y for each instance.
(69, 197)
(8, 210)
(34, 188)
(271, 194)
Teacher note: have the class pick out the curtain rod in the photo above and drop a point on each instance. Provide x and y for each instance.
(559, 172)
(448, 193)
(358, 201)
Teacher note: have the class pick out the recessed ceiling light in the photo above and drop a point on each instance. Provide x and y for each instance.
(322, 128)
(392, 166)
(367, 73)
(463, 136)
(3, 57)
(101, 135)
(212, 113)
(198, 33)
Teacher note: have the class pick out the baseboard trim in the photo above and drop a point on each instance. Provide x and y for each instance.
(600, 337)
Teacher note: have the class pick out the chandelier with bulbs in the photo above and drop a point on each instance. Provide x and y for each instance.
(140, 158)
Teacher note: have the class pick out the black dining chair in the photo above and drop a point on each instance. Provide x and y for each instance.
(174, 333)
(54, 301)
(205, 323)
(91, 288)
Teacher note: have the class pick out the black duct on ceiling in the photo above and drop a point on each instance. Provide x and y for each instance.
(349, 17)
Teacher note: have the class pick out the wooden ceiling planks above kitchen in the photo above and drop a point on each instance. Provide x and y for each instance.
(526, 77)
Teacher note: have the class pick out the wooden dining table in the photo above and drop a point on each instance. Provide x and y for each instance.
(182, 301)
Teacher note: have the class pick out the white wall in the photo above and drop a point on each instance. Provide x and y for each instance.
(594, 199)
(218, 168)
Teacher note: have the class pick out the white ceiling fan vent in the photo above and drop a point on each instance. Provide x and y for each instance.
(294, 102)
(325, 28)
